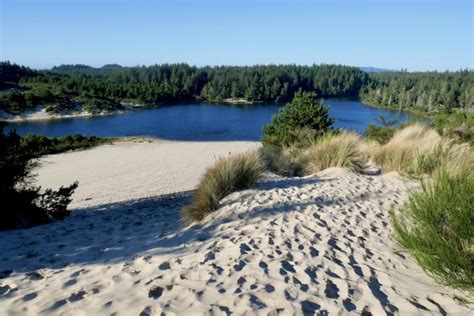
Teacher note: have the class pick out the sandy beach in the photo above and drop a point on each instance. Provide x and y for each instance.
(290, 246)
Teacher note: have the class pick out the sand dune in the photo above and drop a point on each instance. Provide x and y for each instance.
(319, 244)
(131, 170)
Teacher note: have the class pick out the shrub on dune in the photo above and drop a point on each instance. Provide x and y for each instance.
(380, 134)
(302, 119)
(228, 175)
(437, 227)
(334, 150)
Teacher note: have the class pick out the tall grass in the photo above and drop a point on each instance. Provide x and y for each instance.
(418, 150)
(437, 227)
(282, 161)
(228, 175)
(334, 150)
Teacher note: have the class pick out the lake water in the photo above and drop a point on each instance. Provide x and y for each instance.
(199, 121)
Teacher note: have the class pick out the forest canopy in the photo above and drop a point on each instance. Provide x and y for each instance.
(107, 88)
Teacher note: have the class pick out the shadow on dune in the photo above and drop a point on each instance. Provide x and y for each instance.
(105, 233)
(118, 232)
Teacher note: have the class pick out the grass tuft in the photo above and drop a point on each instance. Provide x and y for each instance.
(437, 227)
(283, 162)
(234, 173)
(334, 150)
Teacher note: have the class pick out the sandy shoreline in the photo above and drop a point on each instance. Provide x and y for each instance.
(318, 244)
(42, 115)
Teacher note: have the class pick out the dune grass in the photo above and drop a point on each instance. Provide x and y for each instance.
(437, 227)
(228, 175)
(334, 150)
(414, 150)
(400, 152)
(418, 150)
(282, 161)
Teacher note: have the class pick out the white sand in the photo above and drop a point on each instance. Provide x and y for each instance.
(40, 113)
(294, 246)
(43, 115)
(133, 170)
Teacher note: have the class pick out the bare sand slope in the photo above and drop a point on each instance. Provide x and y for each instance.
(320, 244)
(132, 170)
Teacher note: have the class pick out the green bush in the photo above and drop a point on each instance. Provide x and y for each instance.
(97, 105)
(380, 134)
(437, 227)
(303, 115)
(23, 204)
(455, 124)
(228, 175)
(40, 145)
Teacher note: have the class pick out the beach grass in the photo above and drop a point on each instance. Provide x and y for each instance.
(282, 161)
(417, 150)
(334, 150)
(228, 175)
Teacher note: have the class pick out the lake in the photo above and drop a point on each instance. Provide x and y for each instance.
(199, 121)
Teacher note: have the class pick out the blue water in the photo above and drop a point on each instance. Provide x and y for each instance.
(199, 121)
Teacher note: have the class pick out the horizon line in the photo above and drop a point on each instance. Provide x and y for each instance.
(96, 66)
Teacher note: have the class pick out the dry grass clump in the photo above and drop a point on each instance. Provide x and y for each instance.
(418, 150)
(343, 149)
(282, 161)
(228, 175)
(459, 159)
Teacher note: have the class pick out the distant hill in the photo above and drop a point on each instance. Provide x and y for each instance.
(111, 66)
(70, 67)
(374, 69)
(77, 69)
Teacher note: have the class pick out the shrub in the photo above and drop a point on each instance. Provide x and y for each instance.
(228, 175)
(334, 150)
(23, 204)
(303, 113)
(380, 134)
(97, 105)
(459, 125)
(39, 145)
(437, 227)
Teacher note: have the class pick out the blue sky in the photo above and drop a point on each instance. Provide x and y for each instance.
(416, 34)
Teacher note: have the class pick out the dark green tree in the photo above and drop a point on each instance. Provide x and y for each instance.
(23, 204)
(302, 114)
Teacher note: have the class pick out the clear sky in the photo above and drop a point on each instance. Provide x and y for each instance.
(411, 34)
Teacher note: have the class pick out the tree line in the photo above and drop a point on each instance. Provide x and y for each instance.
(429, 90)
(106, 88)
